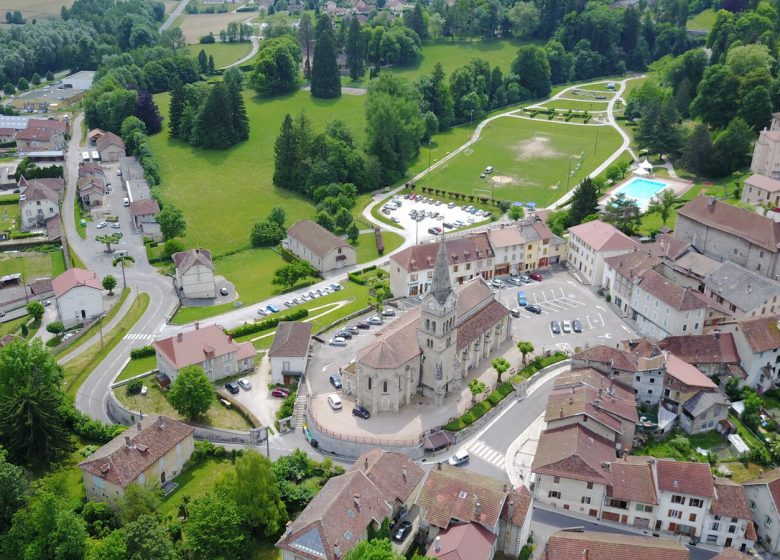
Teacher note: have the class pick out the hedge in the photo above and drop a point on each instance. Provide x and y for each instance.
(380, 245)
(537, 364)
(269, 323)
(142, 352)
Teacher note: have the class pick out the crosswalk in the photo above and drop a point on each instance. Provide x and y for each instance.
(139, 336)
(487, 454)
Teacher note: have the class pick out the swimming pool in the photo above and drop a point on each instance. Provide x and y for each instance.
(641, 190)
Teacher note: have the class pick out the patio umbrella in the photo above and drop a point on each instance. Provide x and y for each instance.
(531, 205)
(520, 204)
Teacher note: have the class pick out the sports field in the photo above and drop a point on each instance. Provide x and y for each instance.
(195, 26)
(223, 53)
(531, 160)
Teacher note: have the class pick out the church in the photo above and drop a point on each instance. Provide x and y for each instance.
(431, 349)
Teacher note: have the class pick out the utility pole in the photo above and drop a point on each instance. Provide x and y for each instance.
(100, 327)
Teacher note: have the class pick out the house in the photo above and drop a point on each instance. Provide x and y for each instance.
(289, 351)
(766, 154)
(731, 554)
(712, 354)
(575, 544)
(110, 147)
(411, 270)
(154, 450)
(463, 510)
(728, 233)
(35, 139)
(432, 348)
(760, 190)
(195, 274)
(758, 343)
(525, 246)
(319, 247)
(632, 498)
(730, 523)
(743, 292)
(620, 274)
(703, 412)
(685, 494)
(208, 347)
(7, 135)
(37, 204)
(763, 495)
(691, 396)
(93, 135)
(336, 519)
(91, 185)
(397, 477)
(143, 212)
(79, 296)
(592, 242)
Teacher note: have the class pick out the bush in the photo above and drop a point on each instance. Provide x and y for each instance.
(468, 418)
(204, 450)
(269, 323)
(288, 406)
(380, 244)
(479, 409)
(134, 387)
(356, 278)
(142, 352)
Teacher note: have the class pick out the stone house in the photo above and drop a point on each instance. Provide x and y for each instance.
(37, 204)
(110, 147)
(742, 293)
(397, 477)
(525, 246)
(593, 242)
(143, 212)
(37, 139)
(729, 523)
(79, 296)
(322, 249)
(712, 354)
(91, 185)
(154, 450)
(758, 343)
(208, 347)
(760, 190)
(766, 154)
(289, 353)
(763, 495)
(195, 274)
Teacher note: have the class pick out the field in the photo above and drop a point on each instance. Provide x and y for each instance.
(32, 265)
(223, 53)
(703, 20)
(528, 167)
(39, 9)
(195, 26)
(590, 106)
(366, 245)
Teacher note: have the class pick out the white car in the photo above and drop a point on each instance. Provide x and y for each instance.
(338, 341)
(101, 225)
(245, 384)
(334, 401)
(566, 326)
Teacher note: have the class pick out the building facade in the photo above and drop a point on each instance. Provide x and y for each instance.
(593, 242)
(195, 274)
(79, 296)
(760, 191)
(322, 249)
(289, 352)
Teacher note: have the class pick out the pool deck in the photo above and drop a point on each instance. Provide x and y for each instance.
(679, 186)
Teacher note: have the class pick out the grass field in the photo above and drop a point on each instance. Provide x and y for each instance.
(223, 53)
(137, 367)
(703, 20)
(39, 9)
(195, 26)
(366, 245)
(32, 265)
(590, 106)
(528, 165)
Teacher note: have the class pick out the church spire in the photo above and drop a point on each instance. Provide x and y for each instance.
(440, 285)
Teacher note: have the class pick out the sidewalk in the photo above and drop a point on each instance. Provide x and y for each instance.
(520, 453)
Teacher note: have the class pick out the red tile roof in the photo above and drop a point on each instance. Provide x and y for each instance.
(602, 237)
(633, 482)
(614, 357)
(466, 541)
(703, 349)
(144, 207)
(733, 554)
(521, 501)
(473, 327)
(573, 545)
(107, 139)
(187, 259)
(54, 124)
(574, 452)
(730, 500)
(681, 477)
(40, 134)
(686, 373)
(633, 264)
(596, 391)
(193, 347)
(73, 278)
(122, 464)
(460, 250)
(393, 473)
(762, 334)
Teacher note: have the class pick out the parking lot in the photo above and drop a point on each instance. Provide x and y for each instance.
(437, 214)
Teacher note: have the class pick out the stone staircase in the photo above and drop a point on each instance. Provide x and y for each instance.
(300, 411)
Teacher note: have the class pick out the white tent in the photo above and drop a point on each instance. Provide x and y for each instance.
(641, 171)
(646, 165)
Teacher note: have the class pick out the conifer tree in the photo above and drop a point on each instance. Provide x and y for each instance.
(356, 58)
(285, 155)
(325, 76)
(240, 119)
(214, 127)
(176, 108)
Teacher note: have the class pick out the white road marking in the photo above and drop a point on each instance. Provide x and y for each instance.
(605, 335)
(487, 453)
(625, 328)
(599, 307)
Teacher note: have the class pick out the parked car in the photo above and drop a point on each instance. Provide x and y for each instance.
(232, 387)
(334, 401)
(515, 313)
(451, 205)
(403, 530)
(515, 280)
(353, 329)
(337, 341)
(245, 384)
(388, 312)
(280, 393)
(522, 300)
(223, 291)
(397, 516)
(101, 225)
(395, 220)
(289, 303)
(433, 231)
(497, 283)
(576, 326)
(336, 287)
(489, 169)
(534, 309)
(447, 225)
(555, 327)
(272, 308)
(335, 380)
(525, 278)
(566, 327)
(344, 334)
(116, 225)
(460, 458)
(535, 276)
(363, 325)
(375, 320)
(362, 412)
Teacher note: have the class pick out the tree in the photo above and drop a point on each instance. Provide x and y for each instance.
(733, 389)
(234, 80)
(533, 70)
(662, 204)
(431, 126)
(254, 488)
(147, 539)
(525, 348)
(212, 68)
(516, 212)
(176, 108)
(277, 215)
(203, 62)
(716, 100)
(214, 125)
(276, 70)
(435, 26)
(476, 387)
(36, 310)
(266, 233)
(70, 534)
(146, 110)
(46, 528)
(500, 364)
(121, 260)
(109, 239)
(751, 415)
(524, 18)
(290, 274)
(325, 75)
(305, 36)
(14, 485)
(353, 232)
(214, 528)
(355, 50)
(732, 146)
(32, 425)
(623, 213)
(36, 79)
(112, 547)
(22, 85)
(138, 501)
(191, 393)
(109, 283)
(9, 89)
(325, 220)
(172, 222)
(343, 219)
(56, 328)
(133, 132)
(374, 549)
(698, 151)
(414, 20)
(286, 155)
(755, 107)
(584, 201)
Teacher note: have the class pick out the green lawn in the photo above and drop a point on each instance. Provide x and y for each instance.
(366, 245)
(533, 164)
(57, 262)
(12, 326)
(703, 20)
(136, 367)
(194, 482)
(590, 106)
(223, 53)
(441, 145)
(32, 264)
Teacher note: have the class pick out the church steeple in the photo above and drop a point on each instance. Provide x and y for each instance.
(440, 285)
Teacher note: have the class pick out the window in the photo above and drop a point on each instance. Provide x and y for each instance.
(695, 502)
(384, 386)
(590, 486)
(732, 528)
(638, 379)
(715, 526)
(644, 508)
(585, 500)
(768, 521)
(752, 505)
(615, 503)
(692, 517)
(556, 479)
(652, 380)
(554, 494)
(735, 251)
(678, 499)
(369, 383)
(712, 538)
(675, 514)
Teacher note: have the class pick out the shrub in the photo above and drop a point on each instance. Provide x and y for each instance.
(269, 323)
(134, 387)
(495, 398)
(380, 245)
(455, 425)
(203, 450)
(142, 352)
(479, 410)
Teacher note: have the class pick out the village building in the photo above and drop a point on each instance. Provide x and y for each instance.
(758, 343)
(322, 249)
(289, 352)
(79, 296)
(593, 242)
(587, 545)
(110, 147)
(195, 274)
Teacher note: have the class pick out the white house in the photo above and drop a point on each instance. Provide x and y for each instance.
(208, 347)
(758, 344)
(592, 242)
(195, 274)
(763, 496)
(322, 249)
(37, 204)
(79, 296)
(760, 190)
(289, 351)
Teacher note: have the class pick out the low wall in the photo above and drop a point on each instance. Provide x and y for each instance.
(344, 319)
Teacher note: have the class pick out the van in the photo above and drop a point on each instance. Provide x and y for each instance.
(460, 458)
(334, 401)
(126, 201)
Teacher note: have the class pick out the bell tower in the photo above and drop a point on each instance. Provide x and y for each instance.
(436, 335)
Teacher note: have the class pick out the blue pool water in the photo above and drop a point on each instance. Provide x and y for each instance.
(641, 190)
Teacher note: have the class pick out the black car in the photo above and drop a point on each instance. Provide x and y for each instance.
(344, 334)
(363, 325)
(404, 528)
(362, 412)
(232, 387)
(555, 327)
(335, 380)
(576, 326)
(534, 309)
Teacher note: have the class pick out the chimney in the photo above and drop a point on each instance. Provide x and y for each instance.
(160, 422)
(403, 472)
(179, 337)
(139, 426)
(477, 509)
(336, 550)
(504, 487)
(356, 499)
(365, 464)
(128, 444)
(711, 201)
(230, 338)
(749, 289)
(438, 466)
(584, 554)
(197, 325)
(437, 544)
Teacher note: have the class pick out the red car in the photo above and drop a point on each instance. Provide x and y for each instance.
(535, 276)
(280, 392)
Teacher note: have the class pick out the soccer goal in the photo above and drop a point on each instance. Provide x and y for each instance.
(542, 136)
(481, 193)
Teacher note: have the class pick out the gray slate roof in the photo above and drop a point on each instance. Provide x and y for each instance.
(291, 340)
(740, 286)
(702, 401)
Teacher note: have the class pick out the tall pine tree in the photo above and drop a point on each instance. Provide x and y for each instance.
(286, 155)
(305, 33)
(214, 127)
(584, 202)
(203, 62)
(325, 76)
(233, 80)
(176, 108)
(355, 51)
(442, 104)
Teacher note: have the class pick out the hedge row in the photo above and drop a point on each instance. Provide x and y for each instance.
(271, 322)
(478, 410)
(142, 352)
(538, 363)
